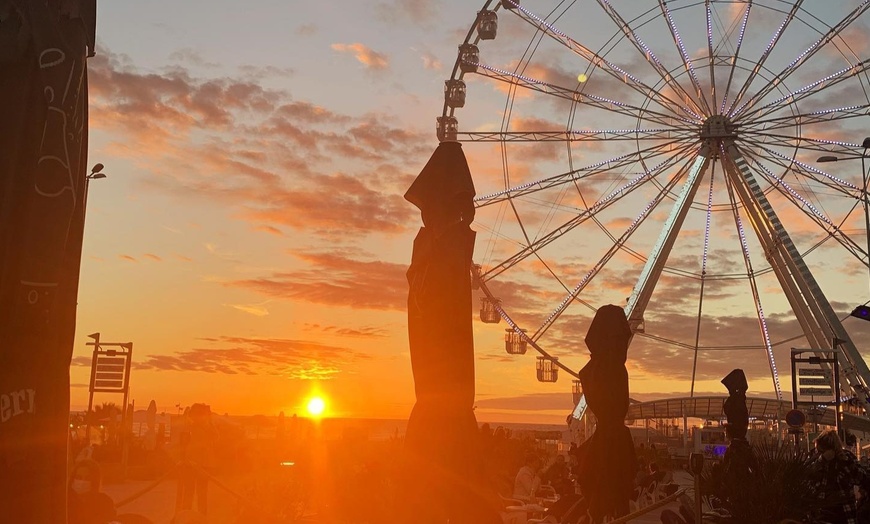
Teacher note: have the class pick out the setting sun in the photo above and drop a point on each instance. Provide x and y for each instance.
(316, 406)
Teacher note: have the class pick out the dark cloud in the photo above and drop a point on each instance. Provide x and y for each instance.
(299, 359)
(336, 280)
(353, 332)
(423, 13)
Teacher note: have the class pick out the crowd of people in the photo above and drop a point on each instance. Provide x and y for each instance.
(839, 482)
(521, 472)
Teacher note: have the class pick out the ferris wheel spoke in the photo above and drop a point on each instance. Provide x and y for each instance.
(831, 181)
(590, 135)
(806, 207)
(601, 62)
(795, 64)
(687, 63)
(710, 53)
(759, 65)
(598, 168)
(598, 102)
(618, 243)
(736, 57)
(816, 87)
(806, 143)
(809, 118)
(648, 55)
(789, 166)
(583, 216)
(705, 252)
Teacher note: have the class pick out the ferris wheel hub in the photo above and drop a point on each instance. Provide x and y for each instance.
(718, 127)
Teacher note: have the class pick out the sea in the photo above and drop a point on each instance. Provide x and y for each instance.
(257, 427)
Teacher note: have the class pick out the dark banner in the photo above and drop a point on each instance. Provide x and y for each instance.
(43, 156)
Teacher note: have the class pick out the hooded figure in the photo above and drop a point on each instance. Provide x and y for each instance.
(441, 455)
(738, 462)
(608, 462)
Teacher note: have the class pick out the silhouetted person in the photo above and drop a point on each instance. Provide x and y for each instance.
(527, 481)
(198, 458)
(86, 503)
(557, 475)
(835, 472)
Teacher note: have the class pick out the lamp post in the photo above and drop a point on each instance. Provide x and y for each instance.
(96, 173)
(860, 311)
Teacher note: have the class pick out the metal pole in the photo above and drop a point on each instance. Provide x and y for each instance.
(96, 344)
(124, 439)
(864, 200)
(794, 394)
(839, 426)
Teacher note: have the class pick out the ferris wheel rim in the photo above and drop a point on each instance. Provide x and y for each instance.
(738, 116)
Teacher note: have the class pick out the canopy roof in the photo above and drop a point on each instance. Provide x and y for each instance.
(711, 408)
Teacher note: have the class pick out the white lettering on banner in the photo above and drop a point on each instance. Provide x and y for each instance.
(16, 403)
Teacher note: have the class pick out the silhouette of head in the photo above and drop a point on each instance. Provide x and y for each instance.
(736, 382)
(828, 444)
(444, 189)
(85, 476)
(609, 333)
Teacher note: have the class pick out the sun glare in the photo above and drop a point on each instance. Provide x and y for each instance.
(316, 406)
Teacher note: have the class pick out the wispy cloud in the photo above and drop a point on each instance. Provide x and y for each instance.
(364, 55)
(257, 310)
(300, 359)
(270, 160)
(307, 30)
(431, 61)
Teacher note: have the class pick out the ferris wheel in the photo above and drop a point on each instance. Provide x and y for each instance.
(665, 156)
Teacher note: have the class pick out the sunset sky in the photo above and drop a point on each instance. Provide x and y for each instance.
(251, 238)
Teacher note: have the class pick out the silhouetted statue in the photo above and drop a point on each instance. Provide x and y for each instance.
(441, 441)
(738, 461)
(735, 405)
(608, 464)
(43, 157)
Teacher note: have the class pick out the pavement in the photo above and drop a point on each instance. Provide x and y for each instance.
(158, 504)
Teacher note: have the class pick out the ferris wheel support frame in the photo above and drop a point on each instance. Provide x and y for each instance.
(820, 323)
(655, 263)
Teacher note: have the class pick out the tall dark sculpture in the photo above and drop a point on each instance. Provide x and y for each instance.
(738, 462)
(43, 154)
(441, 440)
(608, 463)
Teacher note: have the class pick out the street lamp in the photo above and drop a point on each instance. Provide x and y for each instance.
(96, 172)
(862, 312)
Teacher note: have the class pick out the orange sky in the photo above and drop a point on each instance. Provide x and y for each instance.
(251, 238)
